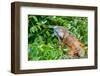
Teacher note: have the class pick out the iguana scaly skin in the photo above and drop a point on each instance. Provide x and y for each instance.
(67, 39)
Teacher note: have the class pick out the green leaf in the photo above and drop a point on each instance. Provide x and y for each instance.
(35, 18)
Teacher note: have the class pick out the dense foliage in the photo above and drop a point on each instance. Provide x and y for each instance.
(44, 45)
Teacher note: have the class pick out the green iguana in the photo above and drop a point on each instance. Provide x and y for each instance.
(75, 46)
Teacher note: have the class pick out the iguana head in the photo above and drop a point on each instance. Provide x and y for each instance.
(60, 31)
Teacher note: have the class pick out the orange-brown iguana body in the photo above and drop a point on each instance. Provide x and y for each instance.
(76, 47)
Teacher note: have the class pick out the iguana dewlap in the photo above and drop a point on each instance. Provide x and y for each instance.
(76, 47)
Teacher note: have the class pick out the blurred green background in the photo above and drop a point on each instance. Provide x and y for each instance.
(44, 45)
